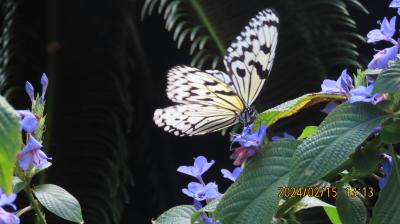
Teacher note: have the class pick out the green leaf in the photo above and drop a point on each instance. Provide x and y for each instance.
(346, 127)
(351, 209)
(18, 184)
(10, 144)
(211, 206)
(390, 133)
(181, 214)
(291, 107)
(387, 207)
(389, 80)
(309, 130)
(42, 167)
(332, 214)
(365, 161)
(311, 202)
(253, 197)
(59, 201)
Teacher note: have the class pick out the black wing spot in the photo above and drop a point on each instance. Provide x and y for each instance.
(241, 72)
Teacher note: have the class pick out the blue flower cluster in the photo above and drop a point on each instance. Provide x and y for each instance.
(200, 191)
(31, 155)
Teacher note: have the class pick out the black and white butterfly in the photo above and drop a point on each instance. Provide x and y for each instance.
(212, 100)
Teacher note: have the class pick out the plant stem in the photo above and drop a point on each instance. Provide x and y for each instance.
(22, 211)
(39, 214)
(206, 22)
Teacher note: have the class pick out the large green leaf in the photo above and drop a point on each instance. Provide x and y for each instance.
(387, 207)
(253, 198)
(338, 135)
(291, 107)
(389, 80)
(390, 133)
(10, 144)
(332, 214)
(177, 215)
(351, 209)
(59, 201)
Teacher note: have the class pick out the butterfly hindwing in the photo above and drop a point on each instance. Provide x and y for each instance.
(249, 58)
(194, 119)
(191, 85)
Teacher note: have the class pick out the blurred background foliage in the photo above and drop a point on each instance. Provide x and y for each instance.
(107, 62)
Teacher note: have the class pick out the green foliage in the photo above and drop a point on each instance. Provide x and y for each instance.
(389, 80)
(291, 107)
(309, 130)
(181, 16)
(365, 161)
(177, 215)
(387, 207)
(351, 209)
(346, 127)
(390, 133)
(59, 201)
(332, 214)
(10, 144)
(253, 197)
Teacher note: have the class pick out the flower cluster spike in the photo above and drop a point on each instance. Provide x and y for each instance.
(31, 154)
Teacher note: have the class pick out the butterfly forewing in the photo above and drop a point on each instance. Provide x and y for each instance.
(194, 119)
(249, 58)
(191, 85)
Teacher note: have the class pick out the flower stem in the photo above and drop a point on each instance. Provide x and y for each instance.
(40, 219)
(22, 211)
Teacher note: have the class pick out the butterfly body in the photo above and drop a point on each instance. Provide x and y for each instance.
(212, 100)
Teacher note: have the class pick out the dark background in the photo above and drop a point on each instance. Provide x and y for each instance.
(107, 72)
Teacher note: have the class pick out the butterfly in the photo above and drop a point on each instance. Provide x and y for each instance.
(211, 100)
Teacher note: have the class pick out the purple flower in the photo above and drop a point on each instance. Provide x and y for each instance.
(7, 217)
(31, 155)
(285, 136)
(200, 192)
(28, 121)
(250, 143)
(342, 85)
(395, 4)
(382, 58)
(385, 32)
(45, 82)
(30, 91)
(248, 139)
(387, 169)
(209, 220)
(364, 94)
(200, 166)
(329, 107)
(231, 176)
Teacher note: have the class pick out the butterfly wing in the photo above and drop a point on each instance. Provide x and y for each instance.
(207, 104)
(194, 119)
(249, 58)
(191, 85)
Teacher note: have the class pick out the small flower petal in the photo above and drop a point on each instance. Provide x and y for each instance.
(285, 136)
(200, 166)
(395, 4)
(381, 58)
(28, 121)
(30, 91)
(329, 107)
(387, 169)
(45, 82)
(231, 175)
